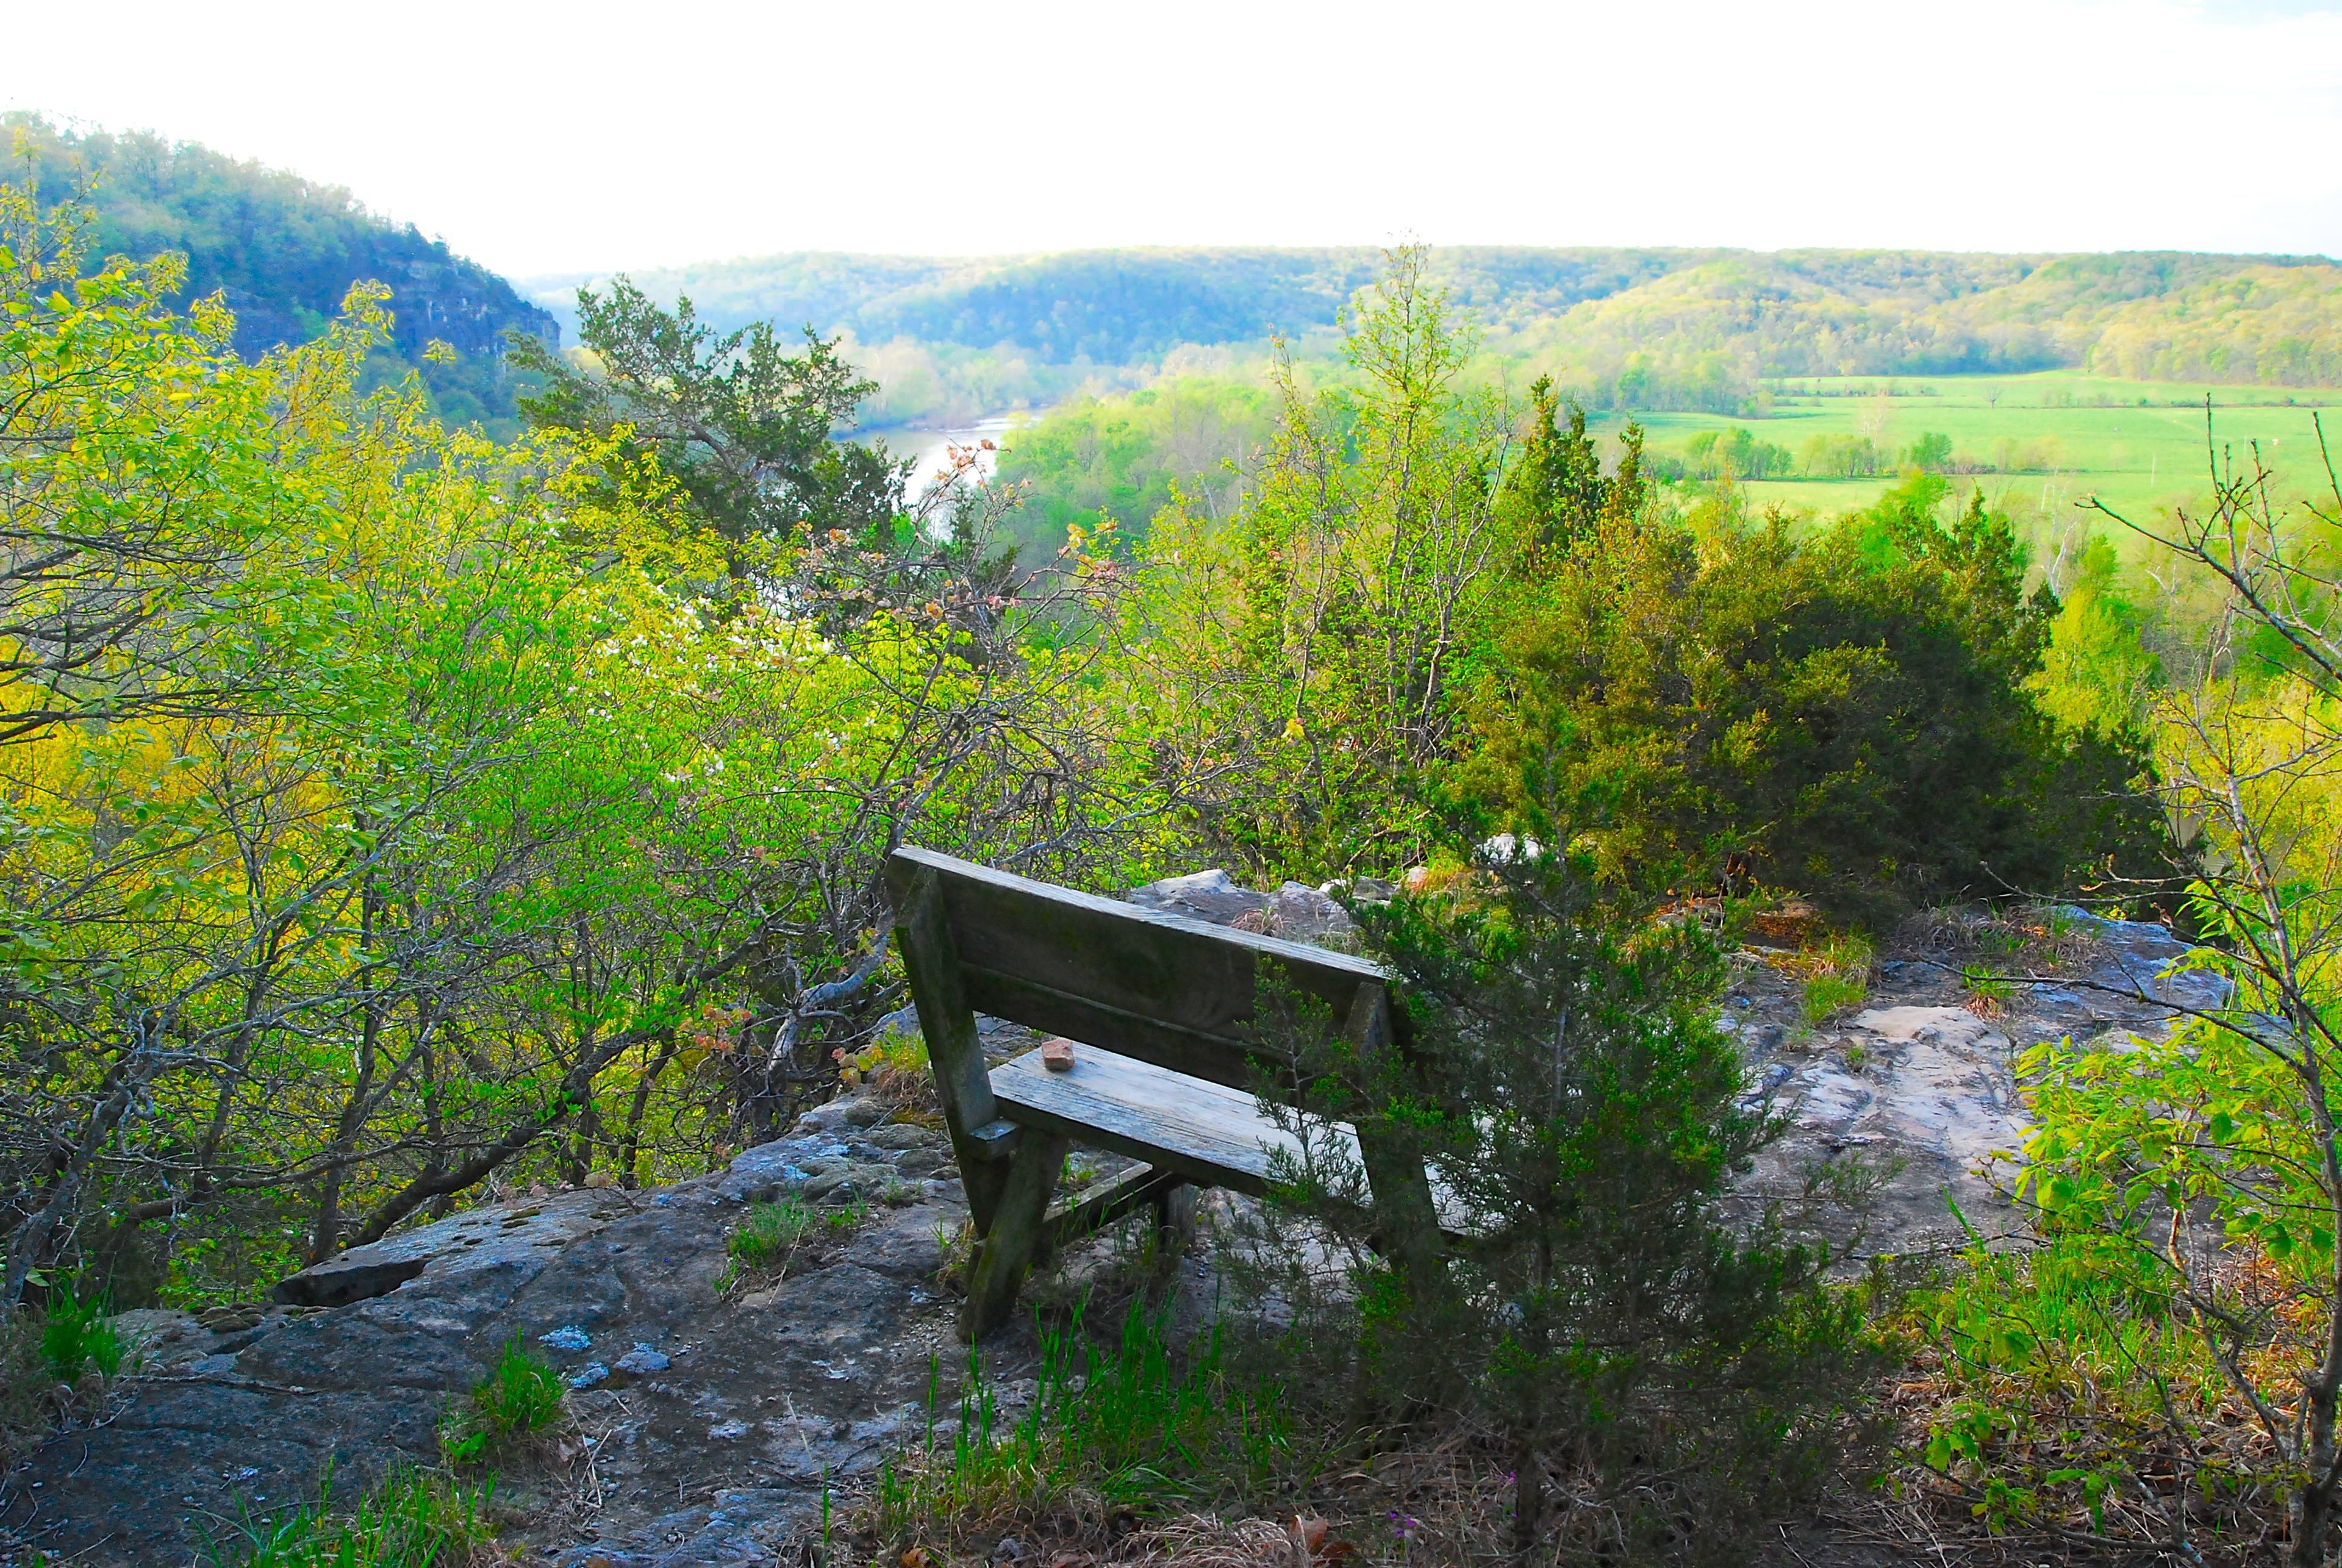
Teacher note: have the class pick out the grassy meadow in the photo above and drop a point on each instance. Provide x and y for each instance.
(2049, 439)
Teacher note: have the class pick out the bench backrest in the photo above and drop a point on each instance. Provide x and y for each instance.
(1164, 988)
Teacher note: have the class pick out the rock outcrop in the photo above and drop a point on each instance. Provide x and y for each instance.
(708, 1424)
(1295, 912)
(1919, 1086)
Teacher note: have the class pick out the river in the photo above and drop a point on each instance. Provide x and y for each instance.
(931, 449)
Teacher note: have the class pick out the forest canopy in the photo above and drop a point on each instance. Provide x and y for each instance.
(283, 252)
(1628, 329)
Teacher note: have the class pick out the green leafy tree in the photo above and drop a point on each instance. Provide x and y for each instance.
(1931, 454)
(2098, 674)
(1558, 492)
(1127, 459)
(742, 426)
(128, 498)
(1306, 655)
(281, 253)
(2208, 1164)
(410, 816)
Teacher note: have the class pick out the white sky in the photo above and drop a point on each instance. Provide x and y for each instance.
(545, 138)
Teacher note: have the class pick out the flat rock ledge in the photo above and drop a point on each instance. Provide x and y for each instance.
(715, 1423)
(707, 1426)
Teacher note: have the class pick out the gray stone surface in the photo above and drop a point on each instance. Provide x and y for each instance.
(713, 1418)
(1921, 1087)
(1298, 912)
(1210, 896)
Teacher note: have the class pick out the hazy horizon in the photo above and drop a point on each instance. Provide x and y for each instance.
(571, 276)
(546, 142)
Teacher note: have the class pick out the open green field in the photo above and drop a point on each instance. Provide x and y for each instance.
(2045, 440)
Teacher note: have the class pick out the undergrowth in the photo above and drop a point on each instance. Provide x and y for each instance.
(77, 1335)
(1113, 1433)
(768, 1236)
(1836, 978)
(894, 1068)
(771, 1235)
(415, 1518)
(1990, 948)
(57, 1364)
(2063, 1388)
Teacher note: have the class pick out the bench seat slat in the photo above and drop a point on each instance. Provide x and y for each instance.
(1208, 1132)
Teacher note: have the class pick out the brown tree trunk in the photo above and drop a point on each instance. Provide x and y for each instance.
(1528, 1501)
(630, 1147)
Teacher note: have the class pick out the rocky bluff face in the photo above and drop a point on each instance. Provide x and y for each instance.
(708, 1424)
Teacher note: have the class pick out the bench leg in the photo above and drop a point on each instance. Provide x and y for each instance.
(1013, 1237)
(1407, 1221)
(1174, 1219)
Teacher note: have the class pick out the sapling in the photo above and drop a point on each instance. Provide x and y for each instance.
(1581, 1113)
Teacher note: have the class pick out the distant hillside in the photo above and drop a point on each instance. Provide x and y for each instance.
(1681, 329)
(1112, 306)
(284, 252)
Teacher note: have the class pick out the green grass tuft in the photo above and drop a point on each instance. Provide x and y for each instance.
(772, 1232)
(1837, 979)
(77, 1335)
(1133, 1427)
(521, 1395)
(415, 1518)
(1987, 991)
(769, 1234)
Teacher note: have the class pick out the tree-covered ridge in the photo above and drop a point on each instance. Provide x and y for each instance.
(283, 253)
(1634, 328)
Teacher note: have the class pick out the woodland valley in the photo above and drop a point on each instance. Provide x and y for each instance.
(453, 729)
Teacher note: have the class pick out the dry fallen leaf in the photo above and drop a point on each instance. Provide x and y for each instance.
(917, 1557)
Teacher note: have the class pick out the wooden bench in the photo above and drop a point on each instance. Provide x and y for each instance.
(1165, 1066)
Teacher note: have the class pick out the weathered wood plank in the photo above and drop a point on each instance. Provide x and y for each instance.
(1014, 1237)
(1174, 1216)
(1163, 1009)
(1223, 1059)
(980, 1139)
(1406, 1214)
(1208, 1132)
(1140, 963)
(1092, 1209)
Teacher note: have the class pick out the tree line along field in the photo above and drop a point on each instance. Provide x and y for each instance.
(2037, 446)
(2032, 442)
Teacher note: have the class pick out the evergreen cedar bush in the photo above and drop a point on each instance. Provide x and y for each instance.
(1842, 713)
(1593, 1319)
